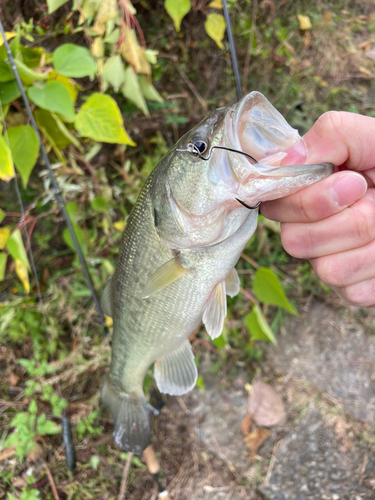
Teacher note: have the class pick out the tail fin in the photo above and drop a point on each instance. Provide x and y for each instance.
(130, 416)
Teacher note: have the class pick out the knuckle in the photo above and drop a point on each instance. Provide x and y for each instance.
(364, 220)
(328, 271)
(361, 294)
(296, 240)
(331, 120)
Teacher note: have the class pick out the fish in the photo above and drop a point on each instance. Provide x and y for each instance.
(183, 238)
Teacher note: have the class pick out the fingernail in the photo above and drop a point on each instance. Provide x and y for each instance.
(370, 194)
(348, 189)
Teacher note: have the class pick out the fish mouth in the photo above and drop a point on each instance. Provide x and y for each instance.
(255, 127)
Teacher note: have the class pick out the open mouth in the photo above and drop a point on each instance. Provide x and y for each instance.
(257, 128)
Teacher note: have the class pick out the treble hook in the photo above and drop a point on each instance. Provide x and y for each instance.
(192, 148)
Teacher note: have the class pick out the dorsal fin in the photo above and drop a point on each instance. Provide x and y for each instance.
(164, 276)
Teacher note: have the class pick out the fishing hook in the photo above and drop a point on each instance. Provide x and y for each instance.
(192, 148)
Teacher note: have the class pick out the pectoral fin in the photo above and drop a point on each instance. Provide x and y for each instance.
(106, 301)
(215, 311)
(232, 283)
(176, 373)
(164, 276)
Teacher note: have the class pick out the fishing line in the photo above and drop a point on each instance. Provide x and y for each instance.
(232, 50)
(192, 149)
(56, 188)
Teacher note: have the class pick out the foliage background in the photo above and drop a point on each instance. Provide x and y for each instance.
(160, 76)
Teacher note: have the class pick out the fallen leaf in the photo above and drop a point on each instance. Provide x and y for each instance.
(366, 45)
(327, 17)
(255, 440)
(304, 22)
(265, 405)
(246, 424)
(13, 379)
(7, 453)
(365, 71)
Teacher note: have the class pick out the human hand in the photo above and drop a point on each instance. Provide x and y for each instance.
(332, 222)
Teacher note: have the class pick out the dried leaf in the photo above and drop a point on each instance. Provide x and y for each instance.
(13, 379)
(304, 22)
(134, 53)
(246, 424)
(7, 453)
(265, 405)
(255, 440)
(107, 11)
(365, 71)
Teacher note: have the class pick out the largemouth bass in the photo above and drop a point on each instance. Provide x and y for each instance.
(182, 240)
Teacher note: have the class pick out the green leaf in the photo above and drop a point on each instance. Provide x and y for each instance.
(6, 162)
(6, 73)
(54, 5)
(177, 9)
(47, 123)
(16, 247)
(114, 72)
(94, 461)
(31, 56)
(148, 90)
(258, 327)
(99, 204)
(28, 76)
(2, 215)
(33, 407)
(53, 97)
(24, 145)
(215, 28)
(101, 120)
(74, 61)
(3, 265)
(132, 90)
(48, 427)
(9, 92)
(267, 289)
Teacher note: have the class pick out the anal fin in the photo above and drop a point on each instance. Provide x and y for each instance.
(176, 372)
(215, 311)
(164, 276)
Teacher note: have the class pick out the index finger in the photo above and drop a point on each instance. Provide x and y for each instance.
(342, 138)
(318, 201)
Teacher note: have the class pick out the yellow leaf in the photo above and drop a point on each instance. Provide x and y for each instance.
(216, 4)
(108, 321)
(23, 275)
(119, 225)
(304, 22)
(215, 28)
(97, 48)
(8, 36)
(69, 84)
(177, 9)
(107, 11)
(134, 53)
(4, 233)
(6, 162)
(365, 71)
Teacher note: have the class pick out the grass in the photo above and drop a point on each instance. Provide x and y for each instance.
(53, 358)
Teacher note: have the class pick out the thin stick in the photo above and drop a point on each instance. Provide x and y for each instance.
(249, 260)
(188, 82)
(125, 477)
(51, 482)
(249, 296)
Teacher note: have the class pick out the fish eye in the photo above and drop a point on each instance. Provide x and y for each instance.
(198, 146)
